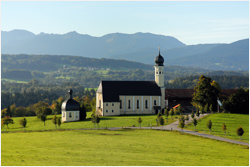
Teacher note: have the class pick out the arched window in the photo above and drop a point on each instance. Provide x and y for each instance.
(155, 102)
(112, 111)
(146, 104)
(129, 104)
(138, 104)
(70, 114)
(107, 111)
(160, 72)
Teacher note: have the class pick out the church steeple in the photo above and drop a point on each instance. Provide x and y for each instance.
(159, 70)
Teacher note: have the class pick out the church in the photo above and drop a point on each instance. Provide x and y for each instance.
(132, 97)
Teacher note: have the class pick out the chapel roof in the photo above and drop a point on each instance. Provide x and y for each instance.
(70, 104)
(112, 89)
(159, 60)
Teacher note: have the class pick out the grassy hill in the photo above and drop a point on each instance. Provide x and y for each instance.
(232, 121)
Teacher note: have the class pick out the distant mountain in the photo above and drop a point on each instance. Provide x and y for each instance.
(234, 56)
(147, 55)
(72, 43)
(139, 47)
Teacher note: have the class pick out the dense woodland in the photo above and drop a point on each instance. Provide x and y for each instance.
(28, 79)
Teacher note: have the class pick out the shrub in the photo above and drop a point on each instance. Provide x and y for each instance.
(23, 122)
(240, 132)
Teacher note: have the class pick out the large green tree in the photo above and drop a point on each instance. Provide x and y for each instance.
(238, 102)
(206, 92)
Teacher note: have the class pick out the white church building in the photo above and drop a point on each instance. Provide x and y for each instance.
(132, 97)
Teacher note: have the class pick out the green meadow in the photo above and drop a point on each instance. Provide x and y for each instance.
(118, 148)
(33, 123)
(232, 121)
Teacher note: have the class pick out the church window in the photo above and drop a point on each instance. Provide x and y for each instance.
(112, 104)
(146, 104)
(160, 72)
(70, 115)
(76, 114)
(107, 111)
(63, 114)
(155, 102)
(138, 104)
(129, 104)
(112, 111)
(107, 104)
(120, 104)
(156, 72)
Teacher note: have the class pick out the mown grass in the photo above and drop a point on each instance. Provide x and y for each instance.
(111, 121)
(118, 148)
(232, 121)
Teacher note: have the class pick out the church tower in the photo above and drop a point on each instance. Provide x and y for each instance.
(159, 77)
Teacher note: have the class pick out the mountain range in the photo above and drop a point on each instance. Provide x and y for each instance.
(139, 47)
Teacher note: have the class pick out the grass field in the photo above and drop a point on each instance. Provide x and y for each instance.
(118, 148)
(112, 121)
(15, 81)
(232, 121)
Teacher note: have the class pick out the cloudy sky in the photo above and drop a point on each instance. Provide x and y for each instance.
(191, 22)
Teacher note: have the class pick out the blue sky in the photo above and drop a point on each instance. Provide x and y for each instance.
(192, 22)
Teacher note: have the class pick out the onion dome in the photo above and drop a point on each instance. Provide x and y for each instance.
(70, 104)
(159, 60)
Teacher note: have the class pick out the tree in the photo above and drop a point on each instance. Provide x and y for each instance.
(201, 109)
(206, 92)
(211, 108)
(192, 114)
(45, 110)
(43, 118)
(209, 125)
(97, 120)
(54, 119)
(166, 113)
(195, 122)
(181, 118)
(224, 128)
(240, 132)
(171, 113)
(206, 108)
(197, 113)
(139, 120)
(23, 122)
(162, 121)
(180, 109)
(181, 124)
(8, 112)
(93, 119)
(7, 120)
(238, 102)
(83, 114)
(58, 121)
(159, 115)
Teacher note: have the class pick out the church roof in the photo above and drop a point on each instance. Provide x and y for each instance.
(159, 60)
(70, 104)
(112, 89)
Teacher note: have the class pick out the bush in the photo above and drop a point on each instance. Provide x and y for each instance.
(23, 122)
(240, 132)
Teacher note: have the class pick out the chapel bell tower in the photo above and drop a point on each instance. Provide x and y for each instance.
(159, 76)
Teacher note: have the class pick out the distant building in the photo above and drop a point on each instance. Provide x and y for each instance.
(132, 97)
(70, 109)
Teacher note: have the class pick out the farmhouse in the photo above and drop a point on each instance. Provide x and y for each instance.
(132, 97)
